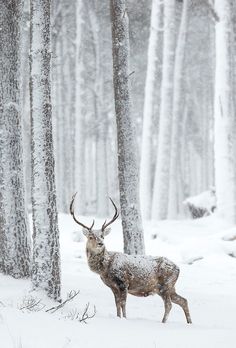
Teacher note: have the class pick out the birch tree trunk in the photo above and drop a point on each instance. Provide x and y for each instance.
(80, 108)
(14, 230)
(101, 116)
(224, 114)
(149, 99)
(161, 181)
(178, 106)
(127, 147)
(46, 253)
(68, 87)
(72, 33)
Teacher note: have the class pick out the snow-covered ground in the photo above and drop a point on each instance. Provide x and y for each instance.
(207, 280)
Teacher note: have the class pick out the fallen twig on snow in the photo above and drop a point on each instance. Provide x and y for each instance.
(72, 294)
(32, 304)
(74, 314)
(86, 315)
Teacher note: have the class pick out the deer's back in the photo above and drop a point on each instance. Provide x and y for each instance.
(142, 275)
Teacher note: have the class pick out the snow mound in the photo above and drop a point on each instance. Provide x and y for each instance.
(205, 200)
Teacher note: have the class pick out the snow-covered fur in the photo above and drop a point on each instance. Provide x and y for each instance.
(134, 274)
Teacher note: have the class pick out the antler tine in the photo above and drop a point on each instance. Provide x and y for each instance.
(73, 214)
(92, 225)
(105, 225)
(72, 203)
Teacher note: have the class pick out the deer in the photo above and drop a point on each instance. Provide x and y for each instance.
(124, 274)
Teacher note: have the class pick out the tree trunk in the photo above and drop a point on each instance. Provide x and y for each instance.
(101, 121)
(46, 253)
(127, 147)
(14, 230)
(153, 66)
(178, 107)
(161, 181)
(224, 114)
(80, 109)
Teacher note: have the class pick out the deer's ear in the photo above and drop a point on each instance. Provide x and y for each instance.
(85, 232)
(106, 231)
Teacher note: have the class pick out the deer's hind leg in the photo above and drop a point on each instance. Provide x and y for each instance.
(168, 305)
(123, 297)
(183, 303)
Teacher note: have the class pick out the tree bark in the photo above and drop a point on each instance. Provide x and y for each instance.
(46, 253)
(127, 147)
(153, 67)
(224, 115)
(14, 229)
(80, 108)
(178, 107)
(161, 181)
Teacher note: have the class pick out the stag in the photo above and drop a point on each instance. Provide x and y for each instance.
(131, 274)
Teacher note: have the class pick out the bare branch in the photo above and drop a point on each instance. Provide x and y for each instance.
(32, 304)
(74, 314)
(86, 315)
(72, 294)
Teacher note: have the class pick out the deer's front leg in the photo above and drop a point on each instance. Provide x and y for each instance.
(116, 293)
(120, 292)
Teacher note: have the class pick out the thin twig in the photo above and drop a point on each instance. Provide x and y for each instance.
(32, 304)
(70, 297)
(86, 316)
(131, 73)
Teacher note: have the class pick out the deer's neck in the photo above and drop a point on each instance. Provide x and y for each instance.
(98, 261)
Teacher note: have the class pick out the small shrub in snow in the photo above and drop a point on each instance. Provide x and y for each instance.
(31, 304)
(201, 205)
(75, 314)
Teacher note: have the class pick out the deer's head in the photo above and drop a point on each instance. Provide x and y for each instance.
(95, 238)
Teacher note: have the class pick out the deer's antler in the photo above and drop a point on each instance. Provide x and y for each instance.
(73, 215)
(106, 224)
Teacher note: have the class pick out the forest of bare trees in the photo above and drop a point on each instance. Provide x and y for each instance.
(123, 99)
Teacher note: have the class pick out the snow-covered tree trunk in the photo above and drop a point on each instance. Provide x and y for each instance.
(65, 115)
(161, 181)
(14, 230)
(58, 119)
(25, 99)
(80, 182)
(72, 34)
(224, 115)
(153, 64)
(178, 106)
(127, 147)
(46, 253)
(64, 88)
(101, 166)
(68, 86)
(101, 121)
